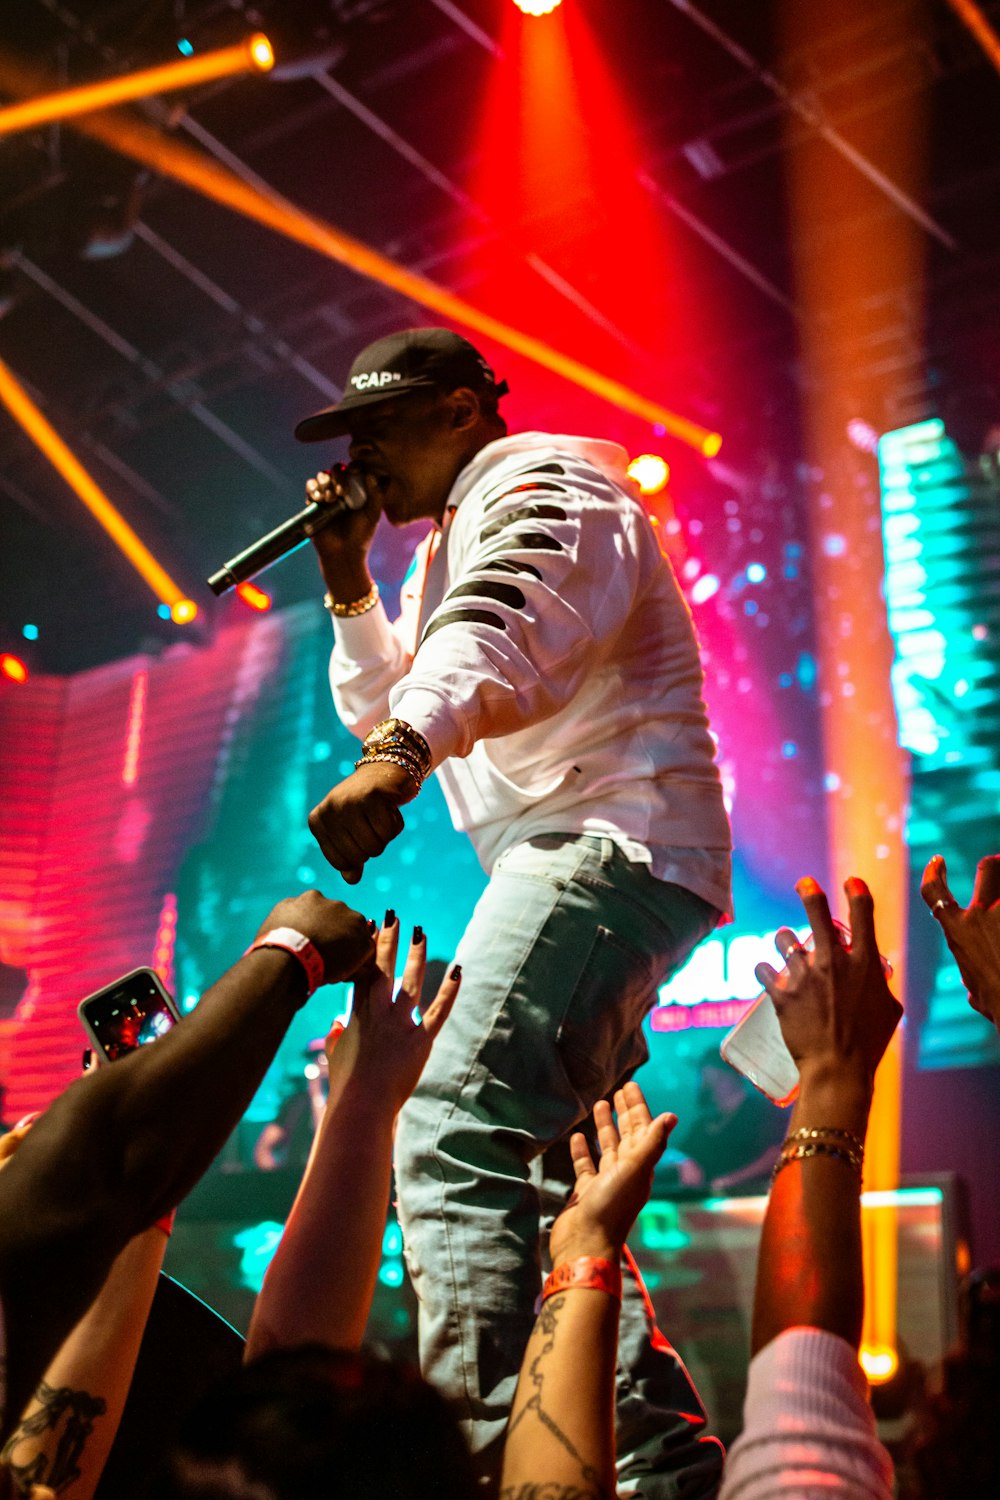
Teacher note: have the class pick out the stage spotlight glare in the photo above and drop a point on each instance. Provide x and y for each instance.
(252, 55)
(183, 612)
(712, 444)
(650, 473)
(261, 52)
(537, 7)
(13, 668)
(254, 597)
(879, 1363)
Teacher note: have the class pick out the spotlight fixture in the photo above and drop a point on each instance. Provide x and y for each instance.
(650, 473)
(537, 7)
(879, 1362)
(254, 597)
(13, 668)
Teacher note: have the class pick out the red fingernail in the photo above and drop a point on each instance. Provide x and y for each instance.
(807, 886)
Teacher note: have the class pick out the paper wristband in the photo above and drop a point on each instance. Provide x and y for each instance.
(585, 1274)
(299, 946)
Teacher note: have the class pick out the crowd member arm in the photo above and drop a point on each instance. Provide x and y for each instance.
(320, 1283)
(808, 1426)
(560, 1439)
(118, 1150)
(972, 932)
(68, 1427)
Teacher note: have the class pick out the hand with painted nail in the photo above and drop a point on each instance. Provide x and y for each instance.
(319, 1286)
(835, 1008)
(972, 932)
(389, 1038)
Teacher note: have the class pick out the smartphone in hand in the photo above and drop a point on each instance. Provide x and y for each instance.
(128, 1013)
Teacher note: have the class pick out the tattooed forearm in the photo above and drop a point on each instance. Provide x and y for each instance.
(548, 1492)
(47, 1445)
(590, 1487)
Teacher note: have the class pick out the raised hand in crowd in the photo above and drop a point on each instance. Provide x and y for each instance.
(108, 1158)
(837, 1016)
(560, 1439)
(320, 1283)
(971, 932)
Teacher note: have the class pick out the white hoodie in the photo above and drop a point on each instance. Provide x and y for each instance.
(547, 655)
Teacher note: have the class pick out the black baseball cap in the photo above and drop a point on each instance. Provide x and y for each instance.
(415, 359)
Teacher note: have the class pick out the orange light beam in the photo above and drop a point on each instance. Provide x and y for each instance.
(969, 12)
(254, 55)
(43, 434)
(170, 158)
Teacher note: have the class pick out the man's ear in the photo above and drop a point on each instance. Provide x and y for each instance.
(464, 408)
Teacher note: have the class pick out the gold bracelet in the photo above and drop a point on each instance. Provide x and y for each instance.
(824, 1132)
(398, 736)
(396, 760)
(808, 1149)
(356, 607)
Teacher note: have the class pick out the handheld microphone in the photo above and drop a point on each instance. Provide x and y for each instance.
(291, 533)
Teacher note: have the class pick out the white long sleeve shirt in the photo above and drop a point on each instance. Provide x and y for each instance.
(808, 1429)
(545, 652)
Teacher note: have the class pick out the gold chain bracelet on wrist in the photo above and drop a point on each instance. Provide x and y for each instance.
(807, 1149)
(824, 1132)
(356, 607)
(399, 737)
(407, 764)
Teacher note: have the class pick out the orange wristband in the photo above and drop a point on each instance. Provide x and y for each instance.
(585, 1274)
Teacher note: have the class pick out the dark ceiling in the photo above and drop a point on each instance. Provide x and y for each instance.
(174, 344)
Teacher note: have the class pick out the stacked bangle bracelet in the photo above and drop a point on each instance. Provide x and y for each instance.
(399, 743)
(838, 1145)
(356, 607)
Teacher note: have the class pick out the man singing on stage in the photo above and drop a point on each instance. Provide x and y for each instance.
(544, 665)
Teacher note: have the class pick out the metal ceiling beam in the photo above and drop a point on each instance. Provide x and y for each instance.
(253, 325)
(468, 25)
(174, 389)
(812, 115)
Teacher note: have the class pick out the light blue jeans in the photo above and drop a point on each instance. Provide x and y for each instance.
(561, 962)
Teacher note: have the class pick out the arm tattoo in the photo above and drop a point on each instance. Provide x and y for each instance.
(590, 1487)
(67, 1414)
(548, 1492)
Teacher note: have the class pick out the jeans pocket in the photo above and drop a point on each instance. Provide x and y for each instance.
(600, 1037)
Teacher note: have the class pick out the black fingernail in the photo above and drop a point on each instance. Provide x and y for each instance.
(390, 918)
(87, 1056)
(418, 935)
(372, 926)
(456, 972)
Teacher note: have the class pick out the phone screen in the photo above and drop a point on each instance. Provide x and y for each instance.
(128, 1014)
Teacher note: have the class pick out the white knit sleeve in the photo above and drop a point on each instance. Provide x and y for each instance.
(808, 1428)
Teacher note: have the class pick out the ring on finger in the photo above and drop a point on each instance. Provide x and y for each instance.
(795, 948)
(942, 904)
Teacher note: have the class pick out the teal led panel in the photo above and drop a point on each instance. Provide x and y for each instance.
(941, 529)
